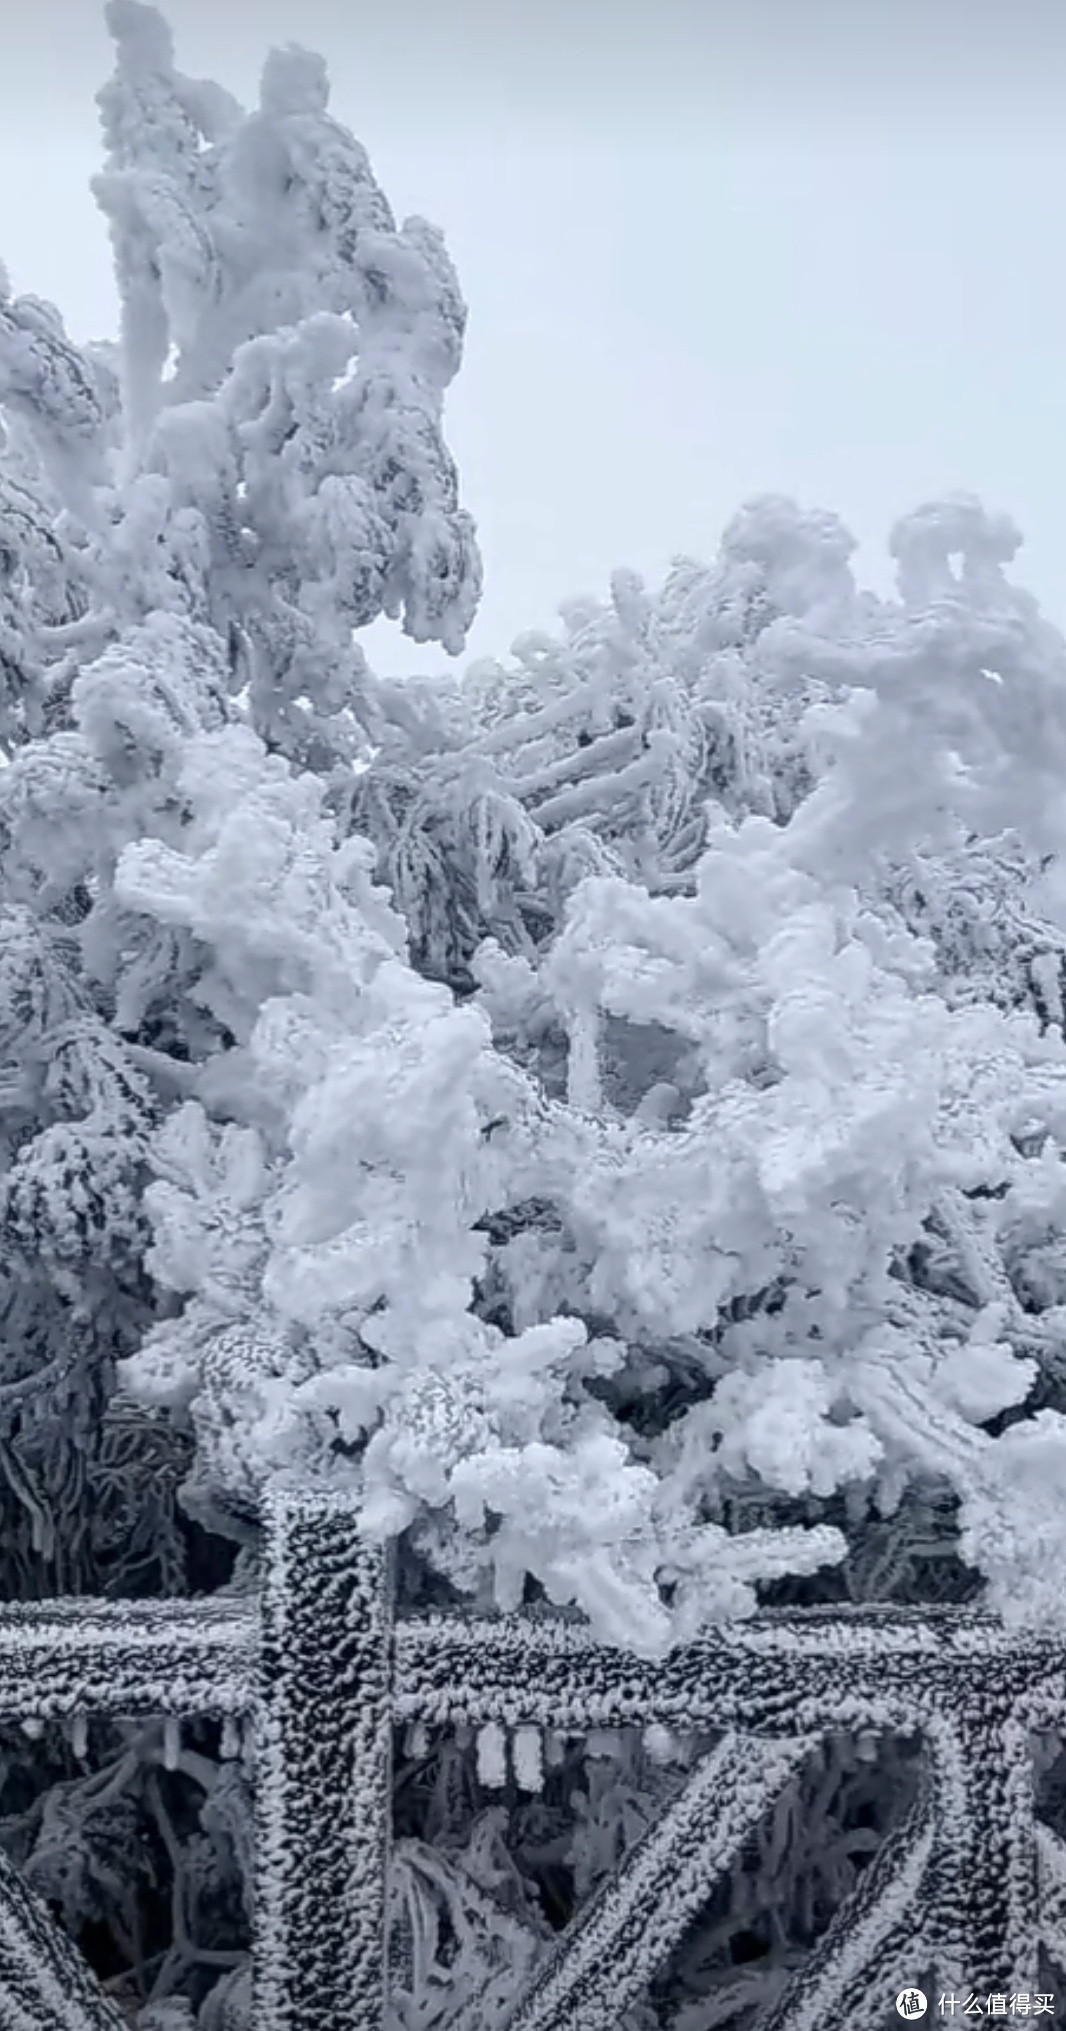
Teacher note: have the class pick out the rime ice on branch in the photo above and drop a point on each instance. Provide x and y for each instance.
(285, 353)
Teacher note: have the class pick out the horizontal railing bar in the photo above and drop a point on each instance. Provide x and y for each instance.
(86, 1656)
(778, 1669)
(866, 1633)
(852, 1623)
(322, 1665)
(763, 1674)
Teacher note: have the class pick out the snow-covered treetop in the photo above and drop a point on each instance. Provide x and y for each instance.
(581, 1110)
(264, 449)
(456, 1274)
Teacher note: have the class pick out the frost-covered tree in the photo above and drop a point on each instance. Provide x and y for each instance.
(606, 1112)
(719, 1130)
(195, 522)
(714, 1238)
(808, 1079)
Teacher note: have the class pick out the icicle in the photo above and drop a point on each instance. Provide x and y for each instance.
(33, 1726)
(659, 1744)
(554, 1749)
(866, 1746)
(230, 1745)
(418, 1739)
(79, 1737)
(492, 1756)
(583, 1064)
(171, 1742)
(527, 1760)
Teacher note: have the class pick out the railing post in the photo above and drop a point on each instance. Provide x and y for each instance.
(323, 1779)
(45, 1984)
(983, 1887)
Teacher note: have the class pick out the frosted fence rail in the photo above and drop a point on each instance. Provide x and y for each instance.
(966, 1892)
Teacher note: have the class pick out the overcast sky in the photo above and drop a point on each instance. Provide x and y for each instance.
(710, 248)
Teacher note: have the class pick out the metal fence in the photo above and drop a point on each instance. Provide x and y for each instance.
(968, 1895)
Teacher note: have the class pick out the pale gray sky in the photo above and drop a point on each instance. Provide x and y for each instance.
(710, 247)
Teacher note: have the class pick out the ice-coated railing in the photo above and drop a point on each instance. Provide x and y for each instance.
(963, 1897)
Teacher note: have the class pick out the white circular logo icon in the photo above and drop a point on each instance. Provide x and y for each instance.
(911, 2003)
